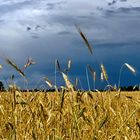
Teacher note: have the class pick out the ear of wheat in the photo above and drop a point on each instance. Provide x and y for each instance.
(48, 82)
(85, 39)
(29, 62)
(102, 77)
(130, 68)
(10, 62)
(76, 82)
(104, 72)
(67, 82)
(69, 64)
(115, 87)
(93, 73)
(58, 65)
(1, 66)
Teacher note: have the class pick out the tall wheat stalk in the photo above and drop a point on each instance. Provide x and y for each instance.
(129, 67)
(69, 85)
(104, 74)
(84, 39)
(56, 66)
(10, 62)
(55, 72)
(48, 82)
(87, 76)
(93, 73)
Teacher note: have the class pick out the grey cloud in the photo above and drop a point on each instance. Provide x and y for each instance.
(51, 6)
(112, 3)
(110, 13)
(107, 45)
(6, 8)
(85, 17)
(123, 11)
(109, 27)
(1, 20)
(123, 0)
(65, 33)
(62, 19)
(131, 9)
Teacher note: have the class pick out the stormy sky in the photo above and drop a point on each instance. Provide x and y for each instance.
(45, 30)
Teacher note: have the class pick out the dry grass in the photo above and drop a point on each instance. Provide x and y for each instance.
(69, 116)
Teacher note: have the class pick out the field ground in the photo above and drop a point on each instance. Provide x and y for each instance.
(70, 116)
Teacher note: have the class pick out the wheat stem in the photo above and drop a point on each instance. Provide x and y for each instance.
(120, 73)
(55, 72)
(87, 76)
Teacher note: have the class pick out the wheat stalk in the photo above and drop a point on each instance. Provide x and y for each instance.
(48, 82)
(1, 66)
(67, 81)
(130, 68)
(102, 77)
(104, 72)
(69, 64)
(29, 62)
(85, 39)
(10, 62)
(58, 65)
(87, 78)
(93, 73)
(76, 82)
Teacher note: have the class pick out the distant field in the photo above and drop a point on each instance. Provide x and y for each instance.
(70, 116)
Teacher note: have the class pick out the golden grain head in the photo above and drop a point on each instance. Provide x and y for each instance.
(69, 64)
(85, 39)
(29, 62)
(67, 81)
(1, 66)
(48, 82)
(130, 68)
(10, 62)
(104, 72)
(102, 77)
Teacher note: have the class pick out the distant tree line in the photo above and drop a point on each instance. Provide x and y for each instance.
(129, 88)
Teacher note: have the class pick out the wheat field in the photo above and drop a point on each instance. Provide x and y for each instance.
(69, 115)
